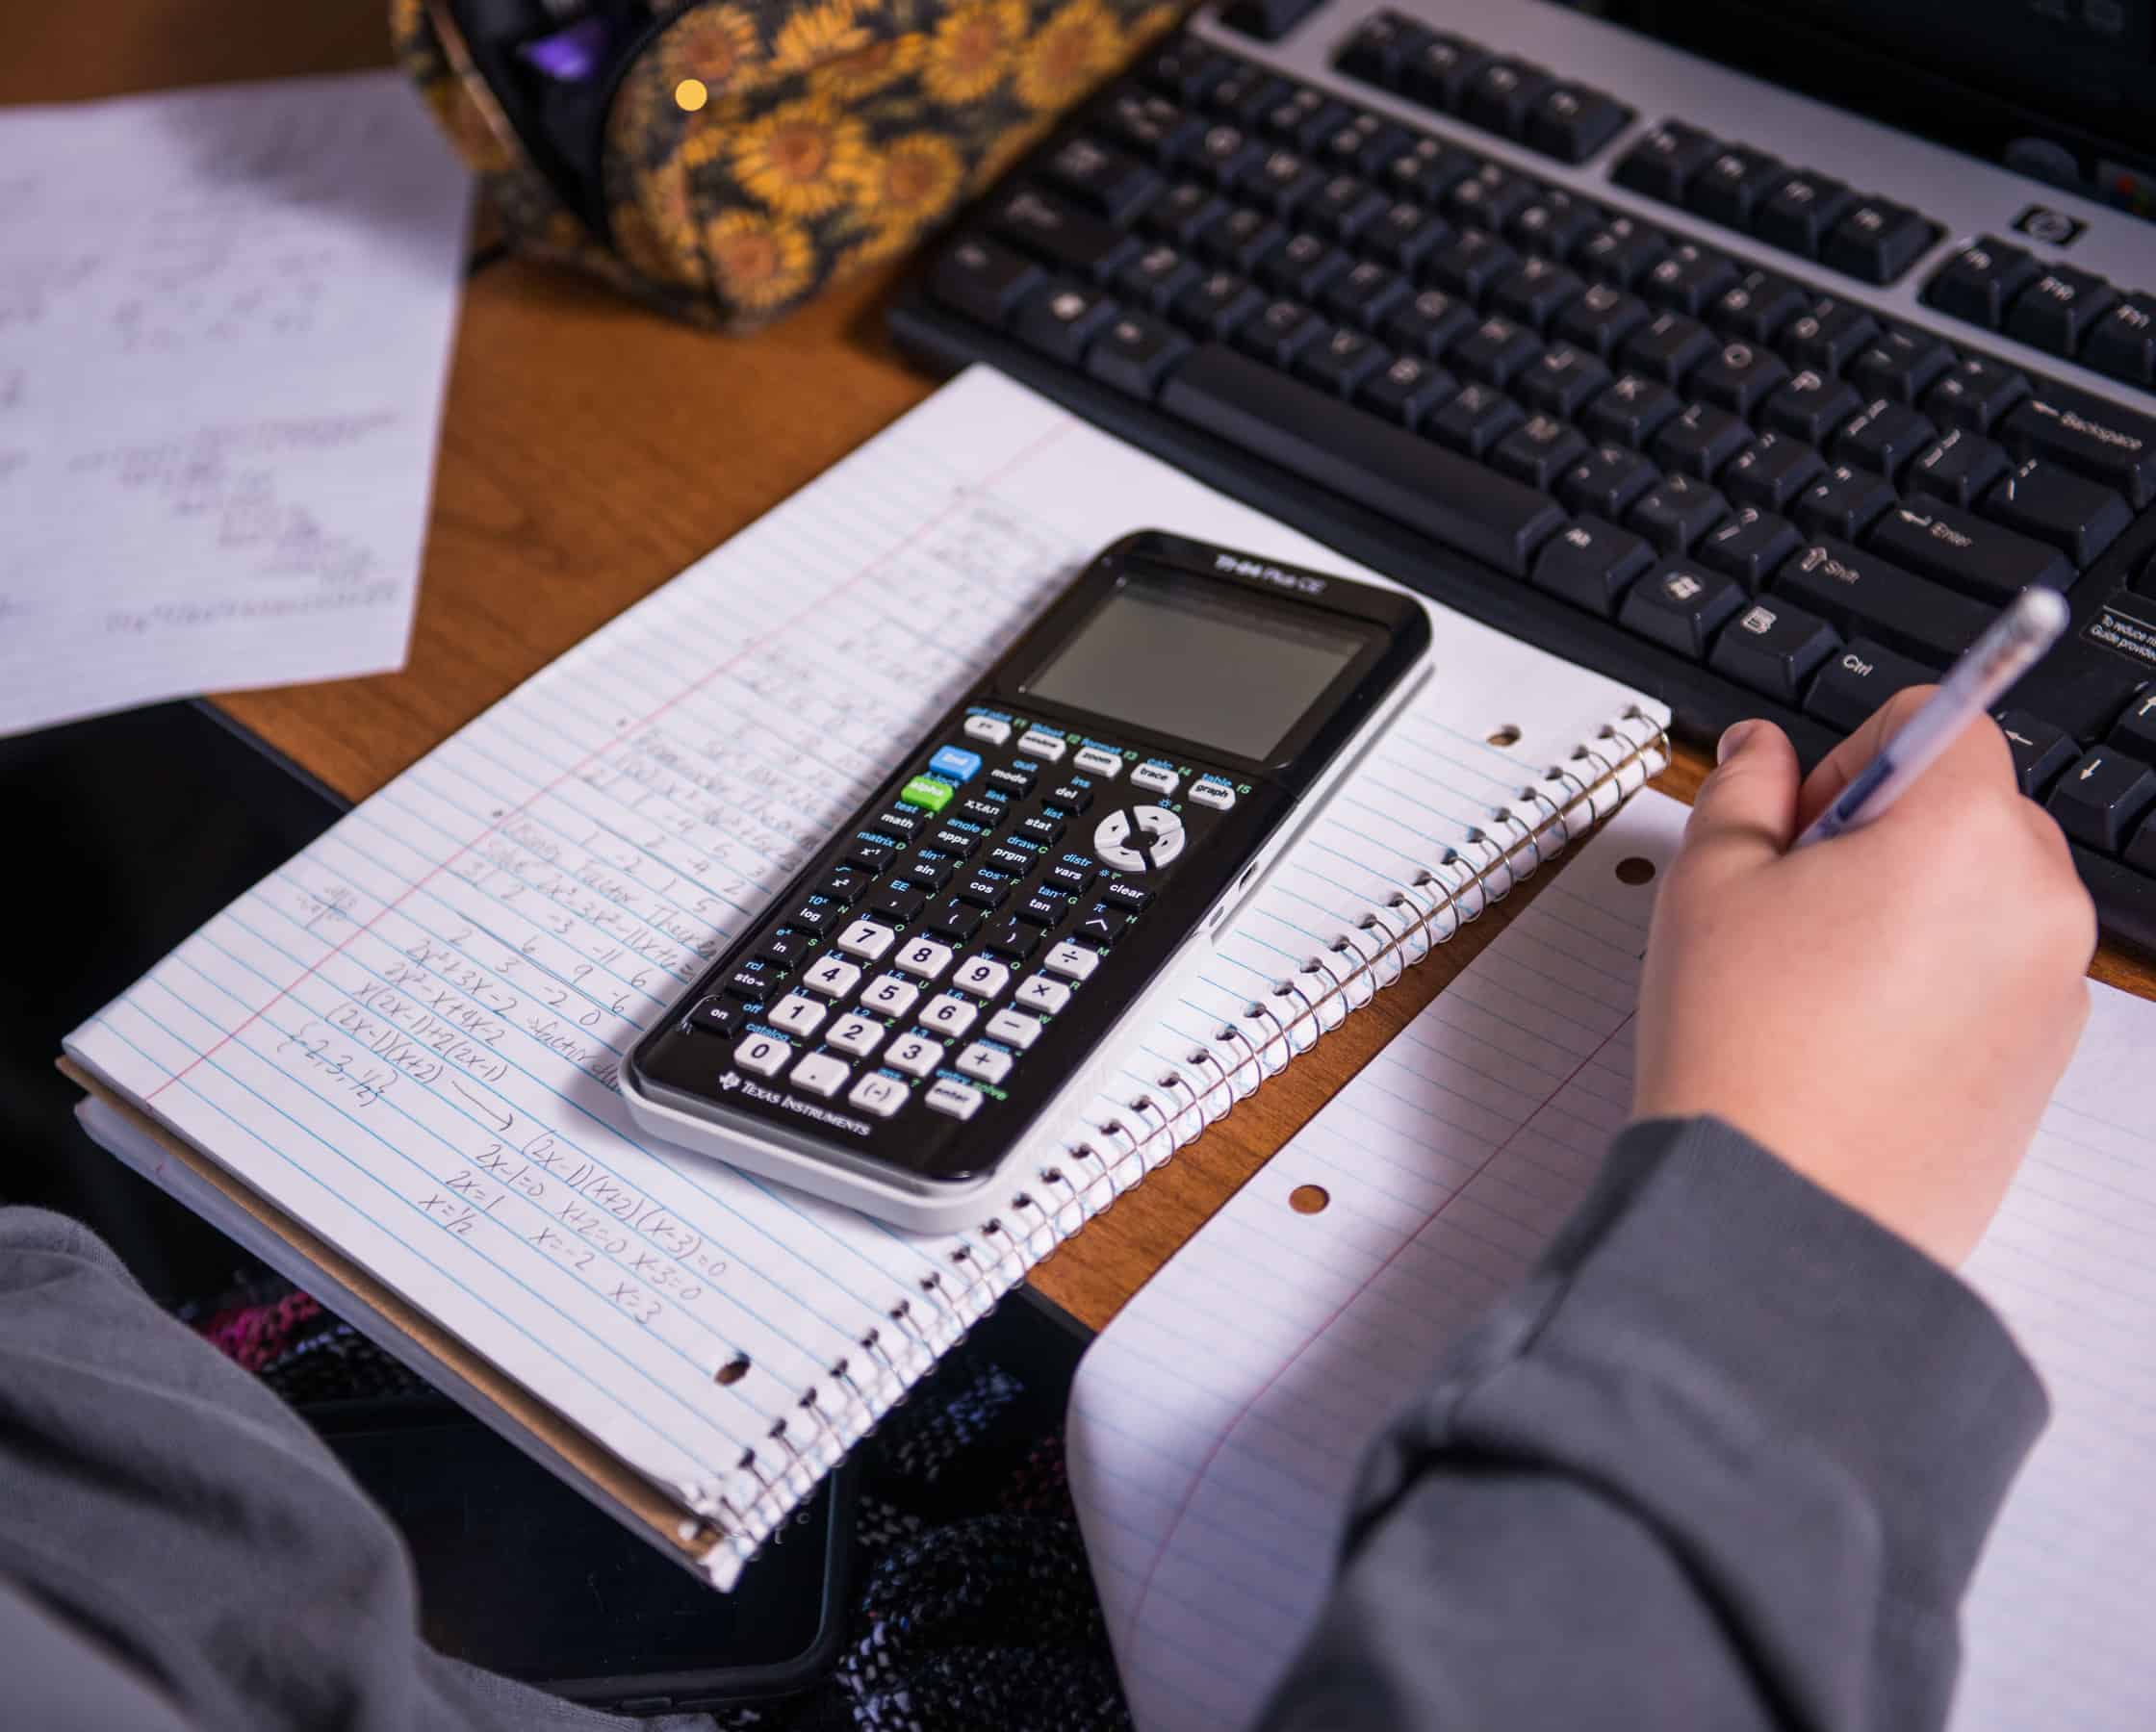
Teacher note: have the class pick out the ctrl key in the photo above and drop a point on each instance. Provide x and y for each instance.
(983, 280)
(1772, 647)
(2098, 800)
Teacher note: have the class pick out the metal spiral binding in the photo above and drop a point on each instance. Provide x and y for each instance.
(750, 1503)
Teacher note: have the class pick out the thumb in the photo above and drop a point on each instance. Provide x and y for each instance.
(1746, 813)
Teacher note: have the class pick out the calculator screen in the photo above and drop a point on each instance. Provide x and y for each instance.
(1198, 664)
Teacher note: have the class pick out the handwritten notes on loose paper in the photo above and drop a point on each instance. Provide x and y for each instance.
(225, 325)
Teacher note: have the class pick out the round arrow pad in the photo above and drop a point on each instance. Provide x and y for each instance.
(1134, 838)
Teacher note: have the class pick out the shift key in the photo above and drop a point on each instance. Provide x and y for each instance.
(1968, 553)
(1865, 596)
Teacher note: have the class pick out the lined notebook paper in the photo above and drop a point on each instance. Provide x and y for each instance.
(1217, 1425)
(224, 331)
(407, 1038)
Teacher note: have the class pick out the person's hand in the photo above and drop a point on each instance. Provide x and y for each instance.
(1887, 1011)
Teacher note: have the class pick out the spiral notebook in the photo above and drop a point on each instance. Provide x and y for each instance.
(1217, 1423)
(390, 1066)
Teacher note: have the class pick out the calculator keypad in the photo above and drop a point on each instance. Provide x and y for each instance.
(942, 939)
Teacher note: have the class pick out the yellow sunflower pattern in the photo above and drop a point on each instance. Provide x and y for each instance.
(835, 135)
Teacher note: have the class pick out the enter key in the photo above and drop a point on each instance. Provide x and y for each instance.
(1968, 553)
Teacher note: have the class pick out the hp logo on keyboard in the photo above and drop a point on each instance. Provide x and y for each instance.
(1251, 568)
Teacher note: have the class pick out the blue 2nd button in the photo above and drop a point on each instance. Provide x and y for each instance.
(955, 764)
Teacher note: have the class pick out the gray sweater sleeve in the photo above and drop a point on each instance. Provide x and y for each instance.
(1725, 1461)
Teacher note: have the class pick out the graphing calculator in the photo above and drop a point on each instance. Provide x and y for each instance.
(936, 989)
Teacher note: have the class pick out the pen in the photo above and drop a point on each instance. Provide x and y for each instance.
(2028, 626)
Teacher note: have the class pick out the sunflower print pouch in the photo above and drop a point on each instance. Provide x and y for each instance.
(723, 159)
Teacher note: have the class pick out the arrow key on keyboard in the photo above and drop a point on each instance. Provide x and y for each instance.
(2040, 750)
(2102, 798)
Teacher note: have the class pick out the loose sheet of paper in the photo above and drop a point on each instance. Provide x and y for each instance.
(408, 1036)
(1217, 1424)
(226, 317)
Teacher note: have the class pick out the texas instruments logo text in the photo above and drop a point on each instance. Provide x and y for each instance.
(1299, 581)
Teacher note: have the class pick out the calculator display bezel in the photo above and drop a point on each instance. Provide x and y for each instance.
(930, 1156)
(1327, 722)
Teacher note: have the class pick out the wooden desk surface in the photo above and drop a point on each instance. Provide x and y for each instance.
(590, 451)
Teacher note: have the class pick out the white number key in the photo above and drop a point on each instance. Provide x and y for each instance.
(764, 1054)
(868, 940)
(1072, 962)
(954, 1098)
(859, 1036)
(991, 1064)
(820, 1074)
(982, 978)
(796, 1014)
(879, 1094)
(912, 1053)
(1040, 993)
(1013, 1028)
(832, 976)
(947, 1013)
(924, 957)
(890, 995)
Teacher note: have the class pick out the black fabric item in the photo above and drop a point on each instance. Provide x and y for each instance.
(1724, 1460)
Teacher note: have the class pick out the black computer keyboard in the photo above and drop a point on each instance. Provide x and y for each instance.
(1724, 475)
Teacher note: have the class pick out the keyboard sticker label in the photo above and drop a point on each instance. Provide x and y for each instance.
(2112, 628)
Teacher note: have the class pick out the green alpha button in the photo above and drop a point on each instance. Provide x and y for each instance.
(927, 793)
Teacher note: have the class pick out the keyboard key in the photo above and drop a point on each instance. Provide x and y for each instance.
(1572, 122)
(1738, 376)
(1403, 233)
(785, 949)
(1589, 563)
(981, 976)
(2102, 798)
(1214, 306)
(1240, 236)
(2040, 750)
(1810, 406)
(1667, 347)
(1864, 595)
(1280, 332)
(1385, 468)
(1750, 548)
(866, 939)
(766, 1055)
(1380, 43)
(991, 1064)
(1426, 325)
(1013, 1028)
(1562, 381)
(1631, 410)
(1102, 179)
(1536, 293)
(1875, 241)
(1664, 162)
(1771, 471)
(1135, 354)
(1068, 237)
(873, 857)
(1471, 263)
(1900, 365)
(954, 919)
(1732, 183)
(1690, 278)
(1676, 512)
(2113, 446)
(1039, 993)
(1852, 684)
(1502, 92)
(1537, 451)
(984, 281)
(889, 996)
(1344, 206)
(2041, 499)
(1060, 321)
(1016, 939)
(1773, 647)
(1427, 170)
(2060, 309)
(859, 1036)
(1302, 115)
(1282, 181)
(1184, 212)
(1843, 503)
(1883, 436)
(878, 1094)
(1363, 294)
(1474, 420)
(927, 869)
(1958, 468)
(1226, 155)
(1187, 69)
(1602, 319)
(1755, 306)
(1681, 606)
(820, 1074)
(948, 1014)
(1974, 393)
(1494, 352)
(1342, 362)
(1407, 390)
(1363, 143)
(1156, 276)
(1981, 281)
(1437, 73)
(832, 976)
(1967, 553)
(717, 1016)
(1072, 961)
(2123, 341)
(1156, 128)
(914, 1054)
(1828, 335)
(1605, 482)
(1552, 225)
(1622, 251)
(1699, 441)
(923, 958)
(1799, 213)
(2135, 731)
